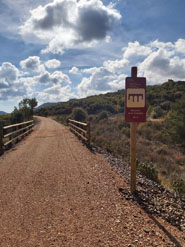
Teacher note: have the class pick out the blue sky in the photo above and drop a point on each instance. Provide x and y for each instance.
(56, 50)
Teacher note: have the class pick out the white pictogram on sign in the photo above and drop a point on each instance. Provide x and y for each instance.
(135, 97)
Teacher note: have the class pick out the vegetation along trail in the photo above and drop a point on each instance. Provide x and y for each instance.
(56, 192)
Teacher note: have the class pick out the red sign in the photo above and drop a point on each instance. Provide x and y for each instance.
(135, 99)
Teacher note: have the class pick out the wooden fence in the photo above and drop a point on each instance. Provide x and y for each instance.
(11, 133)
(82, 130)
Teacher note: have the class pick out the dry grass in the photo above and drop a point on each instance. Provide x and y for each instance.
(153, 146)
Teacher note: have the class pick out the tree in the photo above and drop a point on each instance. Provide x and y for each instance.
(32, 103)
(28, 103)
(26, 107)
(16, 116)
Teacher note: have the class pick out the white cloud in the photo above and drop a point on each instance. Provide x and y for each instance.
(56, 93)
(90, 70)
(116, 66)
(65, 24)
(75, 71)
(56, 77)
(53, 64)
(8, 73)
(180, 46)
(118, 83)
(162, 64)
(135, 49)
(32, 64)
(97, 83)
(10, 86)
(15, 84)
(156, 44)
(157, 61)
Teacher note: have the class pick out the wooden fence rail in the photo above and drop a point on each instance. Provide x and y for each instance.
(81, 129)
(11, 133)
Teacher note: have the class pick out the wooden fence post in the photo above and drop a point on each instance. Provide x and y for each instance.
(1, 138)
(89, 133)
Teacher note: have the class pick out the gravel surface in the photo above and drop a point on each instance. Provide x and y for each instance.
(56, 192)
(151, 196)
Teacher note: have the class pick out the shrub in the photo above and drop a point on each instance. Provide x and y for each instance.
(147, 169)
(162, 149)
(157, 112)
(79, 114)
(102, 115)
(179, 186)
(95, 108)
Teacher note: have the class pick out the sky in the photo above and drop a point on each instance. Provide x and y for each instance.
(57, 50)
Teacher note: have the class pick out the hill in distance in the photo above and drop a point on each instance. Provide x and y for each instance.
(160, 99)
(48, 104)
(2, 112)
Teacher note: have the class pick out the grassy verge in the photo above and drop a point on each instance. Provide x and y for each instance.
(158, 158)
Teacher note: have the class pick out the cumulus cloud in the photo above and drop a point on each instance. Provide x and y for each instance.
(8, 73)
(99, 82)
(135, 49)
(116, 66)
(180, 46)
(56, 93)
(75, 71)
(163, 62)
(157, 61)
(10, 85)
(53, 64)
(32, 64)
(56, 77)
(64, 24)
(14, 83)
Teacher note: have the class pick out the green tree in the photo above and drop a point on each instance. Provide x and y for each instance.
(26, 107)
(16, 116)
(32, 103)
(28, 103)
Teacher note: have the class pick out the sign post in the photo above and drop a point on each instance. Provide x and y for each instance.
(135, 112)
(1, 138)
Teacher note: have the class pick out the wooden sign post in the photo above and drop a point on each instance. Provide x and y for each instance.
(135, 112)
(133, 127)
(1, 138)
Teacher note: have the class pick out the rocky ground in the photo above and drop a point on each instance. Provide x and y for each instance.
(151, 196)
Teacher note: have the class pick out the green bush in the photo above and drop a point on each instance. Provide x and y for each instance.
(102, 115)
(157, 112)
(147, 169)
(79, 114)
(179, 186)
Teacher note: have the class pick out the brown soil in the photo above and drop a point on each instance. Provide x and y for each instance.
(56, 192)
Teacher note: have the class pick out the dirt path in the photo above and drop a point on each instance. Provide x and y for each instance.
(55, 192)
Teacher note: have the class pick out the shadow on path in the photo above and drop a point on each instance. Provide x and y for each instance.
(139, 200)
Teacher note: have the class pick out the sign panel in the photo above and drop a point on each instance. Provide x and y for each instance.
(135, 99)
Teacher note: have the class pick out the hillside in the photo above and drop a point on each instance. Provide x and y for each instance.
(2, 112)
(160, 99)
(160, 141)
(48, 104)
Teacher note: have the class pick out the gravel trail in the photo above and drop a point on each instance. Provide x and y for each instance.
(54, 192)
